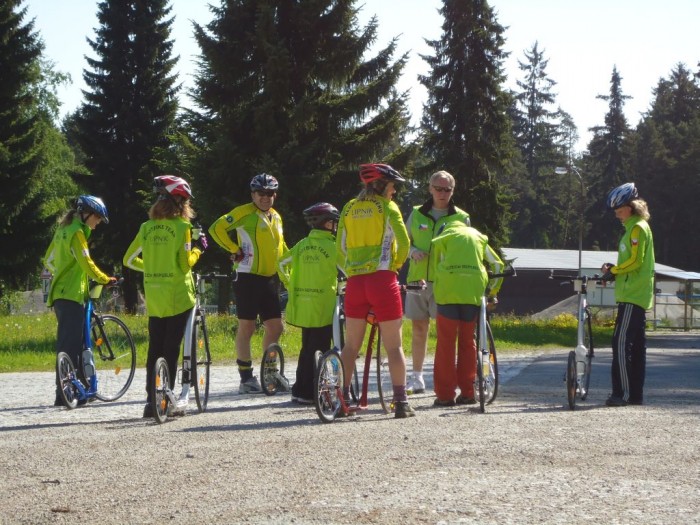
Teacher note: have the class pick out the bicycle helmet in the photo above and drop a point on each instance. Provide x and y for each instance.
(263, 182)
(172, 185)
(622, 195)
(321, 212)
(92, 204)
(373, 172)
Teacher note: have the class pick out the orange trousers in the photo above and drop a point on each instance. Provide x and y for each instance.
(448, 375)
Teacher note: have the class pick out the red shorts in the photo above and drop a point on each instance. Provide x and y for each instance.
(378, 292)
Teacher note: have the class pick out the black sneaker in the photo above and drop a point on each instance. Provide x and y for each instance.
(403, 410)
(147, 410)
(464, 400)
(635, 401)
(444, 403)
(614, 401)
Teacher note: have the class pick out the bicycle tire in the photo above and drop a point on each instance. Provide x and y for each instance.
(201, 362)
(385, 388)
(480, 373)
(492, 377)
(159, 390)
(355, 392)
(588, 341)
(571, 380)
(328, 386)
(66, 374)
(114, 354)
(271, 367)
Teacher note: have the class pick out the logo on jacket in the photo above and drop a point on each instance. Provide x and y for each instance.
(422, 226)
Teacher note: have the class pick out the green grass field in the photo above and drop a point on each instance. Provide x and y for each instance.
(28, 341)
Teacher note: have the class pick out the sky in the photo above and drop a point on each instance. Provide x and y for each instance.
(582, 40)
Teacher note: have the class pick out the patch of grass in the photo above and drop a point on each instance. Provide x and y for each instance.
(28, 341)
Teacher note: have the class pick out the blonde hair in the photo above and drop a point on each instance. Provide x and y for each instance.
(376, 187)
(640, 207)
(442, 174)
(170, 208)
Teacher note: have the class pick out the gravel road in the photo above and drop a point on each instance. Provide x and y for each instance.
(258, 459)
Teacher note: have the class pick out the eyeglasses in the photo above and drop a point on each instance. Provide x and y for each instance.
(266, 193)
(442, 189)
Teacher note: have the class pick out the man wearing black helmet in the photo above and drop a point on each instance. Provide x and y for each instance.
(634, 293)
(255, 252)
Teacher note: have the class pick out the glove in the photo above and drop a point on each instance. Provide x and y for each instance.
(201, 242)
(607, 277)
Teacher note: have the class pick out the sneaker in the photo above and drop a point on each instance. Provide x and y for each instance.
(614, 401)
(444, 403)
(283, 384)
(635, 402)
(148, 410)
(176, 410)
(416, 386)
(302, 400)
(250, 386)
(403, 410)
(464, 400)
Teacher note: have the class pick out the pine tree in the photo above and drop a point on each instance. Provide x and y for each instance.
(287, 88)
(465, 126)
(34, 161)
(129, 108)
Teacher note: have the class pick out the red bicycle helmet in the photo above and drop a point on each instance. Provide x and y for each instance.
(172, 185)
(372, 172)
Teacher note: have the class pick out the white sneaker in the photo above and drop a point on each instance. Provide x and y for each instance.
(416, 386)
(250, 386)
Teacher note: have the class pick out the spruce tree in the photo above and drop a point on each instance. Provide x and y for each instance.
(129, 107)
(288, 88)
(34, 160)
(465, 127)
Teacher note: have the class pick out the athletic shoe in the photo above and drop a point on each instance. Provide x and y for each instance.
(403, 410)
(302, 400)
(416, 386)
(464, 400)
(444, 403)
(614, 401)
(634, 401)
(283, 384)
(250, 386)
(148, 410)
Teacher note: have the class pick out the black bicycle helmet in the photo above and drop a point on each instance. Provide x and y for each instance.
(92, 204)
(320, 213)
(373, 172)
(263, 181)
(622, 195)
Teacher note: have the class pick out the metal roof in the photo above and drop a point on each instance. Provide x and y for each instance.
(532, 259)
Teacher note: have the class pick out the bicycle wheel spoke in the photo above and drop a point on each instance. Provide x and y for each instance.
(328, 385)
(114, 355)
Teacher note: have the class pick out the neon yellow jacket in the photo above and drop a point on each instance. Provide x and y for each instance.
(162, 251)
(459, 254)
(634, 271)
(371, 236)
(260, 238)
(68, 260)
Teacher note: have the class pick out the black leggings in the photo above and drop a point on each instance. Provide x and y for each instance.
(69, 334)
(164, 340)
(312, 339)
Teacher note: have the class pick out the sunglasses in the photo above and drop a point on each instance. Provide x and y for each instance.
(266, 193)
(442, 189)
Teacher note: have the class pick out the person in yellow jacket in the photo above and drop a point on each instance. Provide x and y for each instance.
(372, 244)
(255, 252)
(460, 254)
(69, 262)
(163, 251)
(423, 225)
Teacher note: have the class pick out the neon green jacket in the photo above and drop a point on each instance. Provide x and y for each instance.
(68, 260)
(421, 230)
(162, 251)
(459, 254)
(634, 271)
(371, 236)
(259, 237)
(310, 274)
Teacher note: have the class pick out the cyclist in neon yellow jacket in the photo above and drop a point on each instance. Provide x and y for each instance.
(163, 251)
(310, 273)
(68, 259)
(255, 252)
(372, 245)
(459, 255)
(634, 293)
